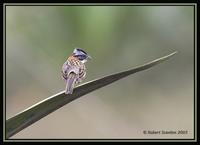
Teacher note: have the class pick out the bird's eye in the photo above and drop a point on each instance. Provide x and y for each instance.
(82, 57)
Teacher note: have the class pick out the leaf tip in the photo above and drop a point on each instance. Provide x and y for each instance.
(173, 53)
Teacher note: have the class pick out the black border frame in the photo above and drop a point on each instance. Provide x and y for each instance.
(100, 4)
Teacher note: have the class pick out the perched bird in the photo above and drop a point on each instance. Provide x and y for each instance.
(73, 70)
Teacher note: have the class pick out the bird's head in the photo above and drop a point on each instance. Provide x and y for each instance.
(81, 55)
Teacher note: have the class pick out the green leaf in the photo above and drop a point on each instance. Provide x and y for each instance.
(45, 107)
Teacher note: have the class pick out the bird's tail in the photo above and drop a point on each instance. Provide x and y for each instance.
(70, 82)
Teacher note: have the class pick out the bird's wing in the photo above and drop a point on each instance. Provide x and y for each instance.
(82, 74)
(70, 66)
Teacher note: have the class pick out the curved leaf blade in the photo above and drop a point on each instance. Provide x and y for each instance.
(45, 107)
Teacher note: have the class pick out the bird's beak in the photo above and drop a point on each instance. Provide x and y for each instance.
(89, 57)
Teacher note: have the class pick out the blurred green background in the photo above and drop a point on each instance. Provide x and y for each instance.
(40, 38)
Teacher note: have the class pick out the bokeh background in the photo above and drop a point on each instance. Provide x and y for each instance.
(40, 38)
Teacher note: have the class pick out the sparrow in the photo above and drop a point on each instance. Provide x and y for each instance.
(74, 70)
